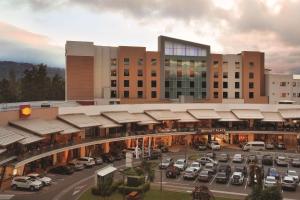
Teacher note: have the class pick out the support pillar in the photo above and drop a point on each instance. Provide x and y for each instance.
(82, 151)
(54, 159)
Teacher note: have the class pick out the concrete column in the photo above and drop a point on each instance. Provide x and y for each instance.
(251, 123)
(169, 140)
(128, 143)
(250, 137)
(230, 124)
(106, 147)
(54, 159)
(106, 132)
(82, 151)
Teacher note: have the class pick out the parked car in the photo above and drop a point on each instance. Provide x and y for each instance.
(295, 162)
(254, 145)
(267, 160)
(86, 161)
(288, 183)
(293, 174)
(252, 159)
(281, 161)
(270, 181)
(211, 155)
(237, 178)
(76, 166)
(62, 169)
(281, 146)
(269, 146)
(44, 179)
(181, 164)
(224, 157)
(26, 182)
(204, 160)
(166, 163)
(117, 156)
(238, 158)
(211, 167)
(204, 176)
(222, 177)
(108, 158)
(172, 172)
(242, 169)
(225, 168)
(190, 173)
(214, 145)
(202, 147)
(272, 171)
(98, 160)
(196, 165)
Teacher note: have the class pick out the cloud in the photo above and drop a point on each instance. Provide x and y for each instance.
(23, 46)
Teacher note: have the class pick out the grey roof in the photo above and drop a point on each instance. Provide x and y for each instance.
(204, 113)
(185, 117)
(67, 128)
(227, 116)
(290, 113)
(248, 113)
(79, 120)
(162, 115)
(105, 122)
(28, 137)
(272, 117)
(145, 119)
(121, 117)
(8, 137)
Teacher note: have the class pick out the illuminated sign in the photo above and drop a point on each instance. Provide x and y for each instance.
(25, 111)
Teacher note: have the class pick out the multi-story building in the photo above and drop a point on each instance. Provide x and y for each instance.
(179, 71)
(237, 78)
(283, 88)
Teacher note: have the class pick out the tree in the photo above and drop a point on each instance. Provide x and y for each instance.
(13, 86)
(57, 89)
(272, 193)
(201, 192)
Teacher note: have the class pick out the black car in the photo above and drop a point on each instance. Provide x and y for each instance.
(172, 172)
(108, 158)
(252, 159)
(224, 168)
(155, 154)
(65, 170)
(242, 169)
(222, 177)
(267, 160)
(295, 162)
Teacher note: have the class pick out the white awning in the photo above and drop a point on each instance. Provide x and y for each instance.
(106, 170)
(248, 113)
(67, 128)
(8, 137)
(227, 116)
(204, 113)
(79, 120)
(162, 115)
(2, 150)
(290, 113)
(38, 126)
(28, 137)
(105, 122)
(145, 119)
(185, 117)
(272, 117)
(120, 117)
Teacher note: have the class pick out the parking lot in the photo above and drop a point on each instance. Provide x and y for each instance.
(227, 187)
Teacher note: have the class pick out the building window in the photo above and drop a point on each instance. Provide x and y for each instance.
(179, 72)
(140, 94)
(237, 74)
(167, 84)
(167, 62)
(192, 84)
(179, 84)
(216, 84)
(153, 61)
(113, 62)
(153, 84)
(251, 75)
(294, 94)
(298, 94)
(153, 94)
(113, 94)
(216, 95)
(283, 84)
(192, 73)
(140, 61)
(113, 83)
(203, 95)
(167, 73)
(216, 62)
(251, 95)
(126, 61)
(225, 84)
(294, 84)
(225, 62)
(126, 83)
(283, 94)
(126, 94)
(140, 72)
(251, 85)
(179, 63)
(167, 94)
(237, 85)
(113, 72)
(203, 74)
(237, 95)
(126, 72)
(216, 75)
(153, 73)
(140, 83)
(225, 95)
(179, 94)
(225, 74)
(192, 94)
(203, 84)
(251, 64)
(237, 63)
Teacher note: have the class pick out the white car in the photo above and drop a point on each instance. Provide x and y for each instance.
(238, 158)
(181, 164)
(270, 181)
(214, 145)
(44, 179)
(196, 165)
(237, 178)
(86, 161)
(190, 173)
(204, 160)
(293, 174)
(26, 182)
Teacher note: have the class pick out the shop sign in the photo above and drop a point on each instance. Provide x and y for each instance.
(212, 130)
(24, 111)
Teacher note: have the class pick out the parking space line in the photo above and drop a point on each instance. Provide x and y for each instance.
(212, 179)
(246, 183)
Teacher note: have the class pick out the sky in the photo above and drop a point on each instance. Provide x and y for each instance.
(36, 31)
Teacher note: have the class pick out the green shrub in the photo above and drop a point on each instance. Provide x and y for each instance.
(108, 191)
(134, 181)
(141, 188)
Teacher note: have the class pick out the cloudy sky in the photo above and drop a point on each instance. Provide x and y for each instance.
(36, 30)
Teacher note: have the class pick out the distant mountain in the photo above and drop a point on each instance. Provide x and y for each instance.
(19, 68)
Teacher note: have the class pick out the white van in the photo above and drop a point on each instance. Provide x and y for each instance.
(255, 145)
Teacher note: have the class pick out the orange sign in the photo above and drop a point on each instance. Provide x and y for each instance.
(25, 111)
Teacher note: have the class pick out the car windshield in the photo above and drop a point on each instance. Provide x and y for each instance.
(179, 162)
(194, 165)
(221, 175)
(165, 161)
(203, 173)
(208, 166)
(292, 173)
(288, 181)
(270, 179)
(236, 176)
(223, 155)
(281, 158)
(237, 156)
